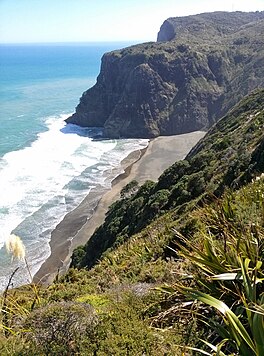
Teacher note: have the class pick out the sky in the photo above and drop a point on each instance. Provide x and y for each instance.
(27, 21)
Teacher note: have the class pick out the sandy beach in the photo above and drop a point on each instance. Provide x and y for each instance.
(75, 230)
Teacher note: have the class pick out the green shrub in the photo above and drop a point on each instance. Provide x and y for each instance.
(59, 328)
(130, 189)
(77, 256)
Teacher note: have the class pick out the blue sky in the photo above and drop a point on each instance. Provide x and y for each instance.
(23, 21)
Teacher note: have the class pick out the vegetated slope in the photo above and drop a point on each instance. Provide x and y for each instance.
(206, 64)
(109, 309)
(230, 154)
(123, 306)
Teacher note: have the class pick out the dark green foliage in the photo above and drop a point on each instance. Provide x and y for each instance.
(78, 255)
(130, 189)
(172, 175)
(158, 200)
(196, 184)
(179, 193)
(146, 189)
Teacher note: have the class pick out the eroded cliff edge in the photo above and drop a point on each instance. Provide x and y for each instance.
(200, 67)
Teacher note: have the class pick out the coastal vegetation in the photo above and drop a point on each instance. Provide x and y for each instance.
(177, 267)
(228, 156)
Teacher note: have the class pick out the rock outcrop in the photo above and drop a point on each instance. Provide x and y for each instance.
(197, 70)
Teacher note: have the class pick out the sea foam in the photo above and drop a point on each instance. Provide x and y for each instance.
(32, 176)
(44, 181)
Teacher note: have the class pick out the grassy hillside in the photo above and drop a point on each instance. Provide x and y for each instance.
(191, 252)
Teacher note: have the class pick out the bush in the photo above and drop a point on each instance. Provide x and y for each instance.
(77, 256)
(130, 189)
(58, 328)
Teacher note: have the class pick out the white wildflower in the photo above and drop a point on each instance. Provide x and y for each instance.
(15, 246)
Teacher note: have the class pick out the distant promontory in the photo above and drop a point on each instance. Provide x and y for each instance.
(200, 66)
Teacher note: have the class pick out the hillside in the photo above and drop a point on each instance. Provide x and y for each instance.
(199, 68)
(195, 235)
(230, 155)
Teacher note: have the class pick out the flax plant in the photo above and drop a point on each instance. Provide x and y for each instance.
(228, 272)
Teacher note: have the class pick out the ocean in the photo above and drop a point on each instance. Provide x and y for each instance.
(47, 167)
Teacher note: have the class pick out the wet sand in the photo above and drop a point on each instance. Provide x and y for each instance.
(75, 230)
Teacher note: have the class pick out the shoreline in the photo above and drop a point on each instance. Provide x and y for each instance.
(76, 228)
(62, 247)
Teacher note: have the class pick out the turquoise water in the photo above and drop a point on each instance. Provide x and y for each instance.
(39, 81)
(47, 167)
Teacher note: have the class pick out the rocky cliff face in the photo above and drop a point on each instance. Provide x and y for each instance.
(200, 67)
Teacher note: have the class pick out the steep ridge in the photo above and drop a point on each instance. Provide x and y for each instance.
(200, 67)
(229, 156)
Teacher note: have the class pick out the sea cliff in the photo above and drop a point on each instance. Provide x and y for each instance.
(199, 68)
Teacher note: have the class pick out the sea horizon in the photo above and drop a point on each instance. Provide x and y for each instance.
(74, 43)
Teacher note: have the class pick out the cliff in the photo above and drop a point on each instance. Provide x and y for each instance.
(199, 68)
